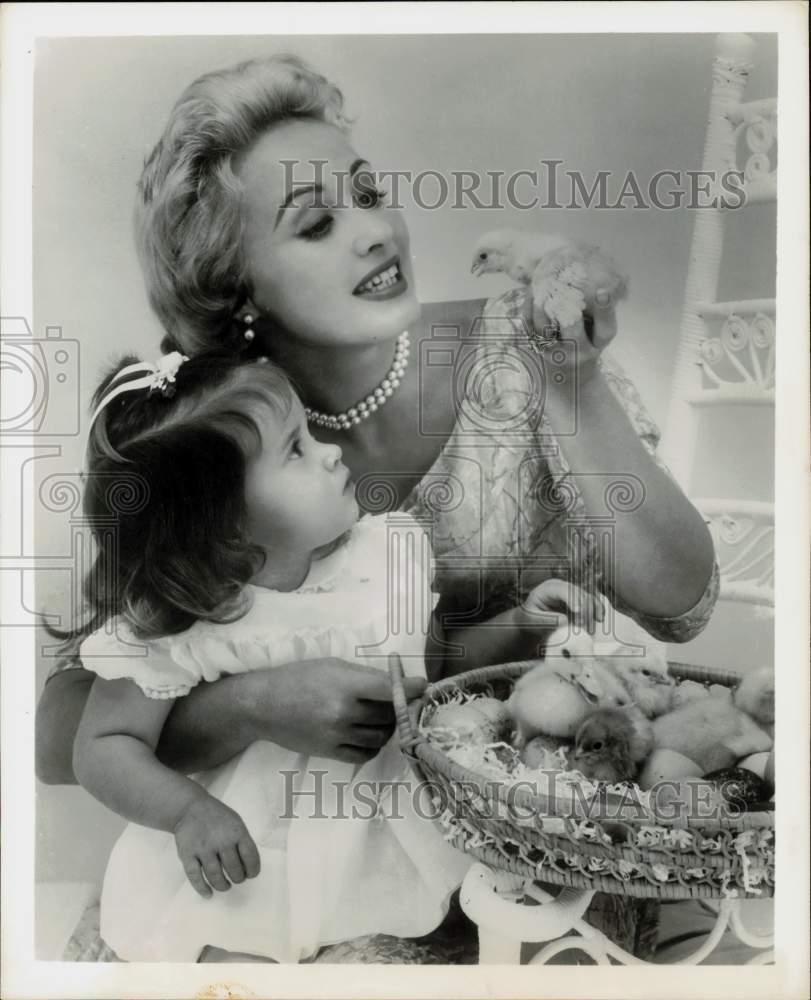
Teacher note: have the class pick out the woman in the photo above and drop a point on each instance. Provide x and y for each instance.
(259, 230)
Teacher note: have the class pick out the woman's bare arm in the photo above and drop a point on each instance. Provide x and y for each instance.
(327, 707)
(663, 551)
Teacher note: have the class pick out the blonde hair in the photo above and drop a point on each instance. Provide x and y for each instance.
(188, 222)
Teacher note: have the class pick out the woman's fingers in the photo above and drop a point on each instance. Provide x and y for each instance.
(372, 737)
(604, 318)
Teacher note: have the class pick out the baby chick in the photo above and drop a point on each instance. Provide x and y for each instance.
(565, 280)
(710, 732)
(611, 744)
(755, 696)
(648, 686)
(511, 252)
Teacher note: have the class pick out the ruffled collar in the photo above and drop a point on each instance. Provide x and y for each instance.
(326, 573)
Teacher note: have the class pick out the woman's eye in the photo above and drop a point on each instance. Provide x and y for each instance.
(597, 746)
(295, 449)
(646, 673)
(318, 230)
(369, 197)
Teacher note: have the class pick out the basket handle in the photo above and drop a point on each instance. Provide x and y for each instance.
(405, 723)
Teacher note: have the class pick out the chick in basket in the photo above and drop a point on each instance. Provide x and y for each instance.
(581, 673)
(571, 688)
(612, 743)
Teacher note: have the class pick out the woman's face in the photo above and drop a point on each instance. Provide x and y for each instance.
(320, 263)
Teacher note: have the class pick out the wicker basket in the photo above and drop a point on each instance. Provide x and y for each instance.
(538, 837)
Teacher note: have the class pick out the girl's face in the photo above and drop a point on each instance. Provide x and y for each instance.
(315, 236)
(297, 490)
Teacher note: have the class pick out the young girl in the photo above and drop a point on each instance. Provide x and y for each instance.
(238, 548)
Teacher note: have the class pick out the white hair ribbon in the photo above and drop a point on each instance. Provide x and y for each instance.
(156, 376)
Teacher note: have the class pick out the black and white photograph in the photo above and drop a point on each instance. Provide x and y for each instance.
(405, 500)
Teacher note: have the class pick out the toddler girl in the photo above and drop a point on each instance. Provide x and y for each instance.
(229, 541)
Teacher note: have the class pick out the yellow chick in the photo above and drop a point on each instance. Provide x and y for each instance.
(755, 696)
(565, 278)
(711, 732)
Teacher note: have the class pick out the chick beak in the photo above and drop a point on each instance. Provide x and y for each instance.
(476, 267)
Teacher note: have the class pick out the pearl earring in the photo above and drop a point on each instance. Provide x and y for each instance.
(249, 334)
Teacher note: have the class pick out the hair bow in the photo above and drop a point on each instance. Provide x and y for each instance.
(154, 376)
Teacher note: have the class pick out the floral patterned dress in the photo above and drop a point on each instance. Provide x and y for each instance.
(505, 510)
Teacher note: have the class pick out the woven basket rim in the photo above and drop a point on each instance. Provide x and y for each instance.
(420, 748)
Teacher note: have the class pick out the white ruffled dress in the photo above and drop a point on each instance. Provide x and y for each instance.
(346, 850)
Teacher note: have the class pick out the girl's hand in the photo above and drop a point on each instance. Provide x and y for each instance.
(554, 602)
(326, 708)
(214, 846)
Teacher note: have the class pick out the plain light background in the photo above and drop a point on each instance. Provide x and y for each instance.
(608, 102)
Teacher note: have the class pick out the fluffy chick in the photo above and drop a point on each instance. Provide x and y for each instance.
(755, 696)
(565, 280)
(710, 732)
(611, 744)
(650, 688)
(511, 252)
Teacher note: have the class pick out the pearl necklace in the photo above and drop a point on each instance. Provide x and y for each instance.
(377, 398)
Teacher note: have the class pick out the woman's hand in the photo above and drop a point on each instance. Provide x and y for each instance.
(214, 846)
(325, 708)
(555, 602)
(600, 287)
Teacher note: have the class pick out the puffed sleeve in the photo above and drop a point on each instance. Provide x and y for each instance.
(113, 652)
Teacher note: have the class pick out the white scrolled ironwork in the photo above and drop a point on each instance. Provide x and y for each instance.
(743, 533)
(756, 122)
(731, 67)
(742, 354)
(506, 910)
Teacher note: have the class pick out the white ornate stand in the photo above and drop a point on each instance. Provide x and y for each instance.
(510, 910)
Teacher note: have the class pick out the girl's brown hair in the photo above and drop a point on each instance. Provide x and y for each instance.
(164, 495)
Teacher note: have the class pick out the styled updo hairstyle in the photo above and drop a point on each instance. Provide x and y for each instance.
(188, 222)
(165, 495)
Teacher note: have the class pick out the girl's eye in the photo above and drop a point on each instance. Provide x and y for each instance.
(296, 450)
(646, 673)
(318, 230)
(597, 746)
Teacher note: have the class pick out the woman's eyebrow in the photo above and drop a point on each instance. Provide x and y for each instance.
(292, 194)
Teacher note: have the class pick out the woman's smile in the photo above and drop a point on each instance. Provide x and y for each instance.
(384, 282)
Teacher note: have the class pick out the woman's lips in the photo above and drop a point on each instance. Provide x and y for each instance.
(390, 292)
(384, 282)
